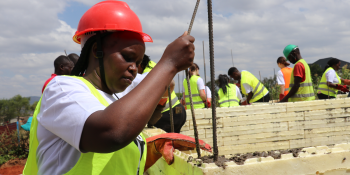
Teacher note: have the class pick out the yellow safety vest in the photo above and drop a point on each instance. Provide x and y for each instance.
(197, 100)
(306, 90)
(326, 90)
(259, 89)
(174, 100)
(149, 67)
(230, 98)
(129, 160)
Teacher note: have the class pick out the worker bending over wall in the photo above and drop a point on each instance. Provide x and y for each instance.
(251, 86)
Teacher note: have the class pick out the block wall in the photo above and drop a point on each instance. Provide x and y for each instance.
(274, 126)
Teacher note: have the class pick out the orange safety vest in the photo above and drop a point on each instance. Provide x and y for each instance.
(287, 72)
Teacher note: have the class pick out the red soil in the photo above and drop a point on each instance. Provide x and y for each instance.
(13, 167)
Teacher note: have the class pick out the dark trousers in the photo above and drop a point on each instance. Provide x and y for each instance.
(179, 116)
(266, 98)
(322, 96)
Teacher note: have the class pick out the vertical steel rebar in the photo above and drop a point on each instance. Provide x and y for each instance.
(171, 111)
(205, 79)
(212, 78)
(189, 88)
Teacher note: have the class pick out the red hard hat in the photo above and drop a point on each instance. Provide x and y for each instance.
(109, 15)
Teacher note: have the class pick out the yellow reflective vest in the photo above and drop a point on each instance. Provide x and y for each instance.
(326, 90)
(259, 89)
(230, 98)
(306, 90)
(196, 98)
(129, 160)
(174, 100)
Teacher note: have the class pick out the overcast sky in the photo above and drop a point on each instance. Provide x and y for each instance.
(34, 32)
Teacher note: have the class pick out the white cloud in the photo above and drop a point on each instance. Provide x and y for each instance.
(257, 31)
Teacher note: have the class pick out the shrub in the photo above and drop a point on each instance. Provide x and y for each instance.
(11, 148)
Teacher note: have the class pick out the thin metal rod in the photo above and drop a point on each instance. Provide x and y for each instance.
(232, 58)
(212, 78)
(205, 79)
(189, 88)
(171, 111)
(65, 52)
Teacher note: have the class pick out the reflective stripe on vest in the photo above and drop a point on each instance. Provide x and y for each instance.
(149, 67)
(259, 89)
(230, 98)
(197, 100)
(324, 88)
(287, 71)
(174, 99)
(306, 90)
(129, 160)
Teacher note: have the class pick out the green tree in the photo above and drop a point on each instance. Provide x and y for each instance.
(316, 71)
(271, 85)
(14, 107)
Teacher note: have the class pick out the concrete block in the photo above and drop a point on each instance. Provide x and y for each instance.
(251, 161)
(299, 143)
(267, 159)
(244, 148)
(263, 137)
(287, 156)
(345, 146)
(325, 132)
(323, 123)
(310, 150)
(254, 128)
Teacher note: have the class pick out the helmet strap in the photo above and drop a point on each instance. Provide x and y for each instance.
(99, 55)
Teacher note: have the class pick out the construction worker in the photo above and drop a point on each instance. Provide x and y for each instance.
(283, 76)
(330, 82)
(251, 86)
(300, 86)
(179, 112)
(146, 65)
(73, 57)
(78, 126)
(63, 66)
(197, 89)
(229, 94)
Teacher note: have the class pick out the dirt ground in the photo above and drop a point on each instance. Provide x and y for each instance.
(239, 159)
(13, 167)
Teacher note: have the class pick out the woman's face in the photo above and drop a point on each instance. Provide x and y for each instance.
(280, 65)
(337, 66)
(123, 54)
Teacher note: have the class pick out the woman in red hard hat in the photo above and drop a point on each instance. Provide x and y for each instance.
(78, 126)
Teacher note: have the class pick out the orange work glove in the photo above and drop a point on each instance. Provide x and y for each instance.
(162, 101)
(281, 96)
(342, 88)
(165, 144)
(346, 82)
(209, 103)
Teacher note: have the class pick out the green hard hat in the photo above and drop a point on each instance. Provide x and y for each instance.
(288, 49)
